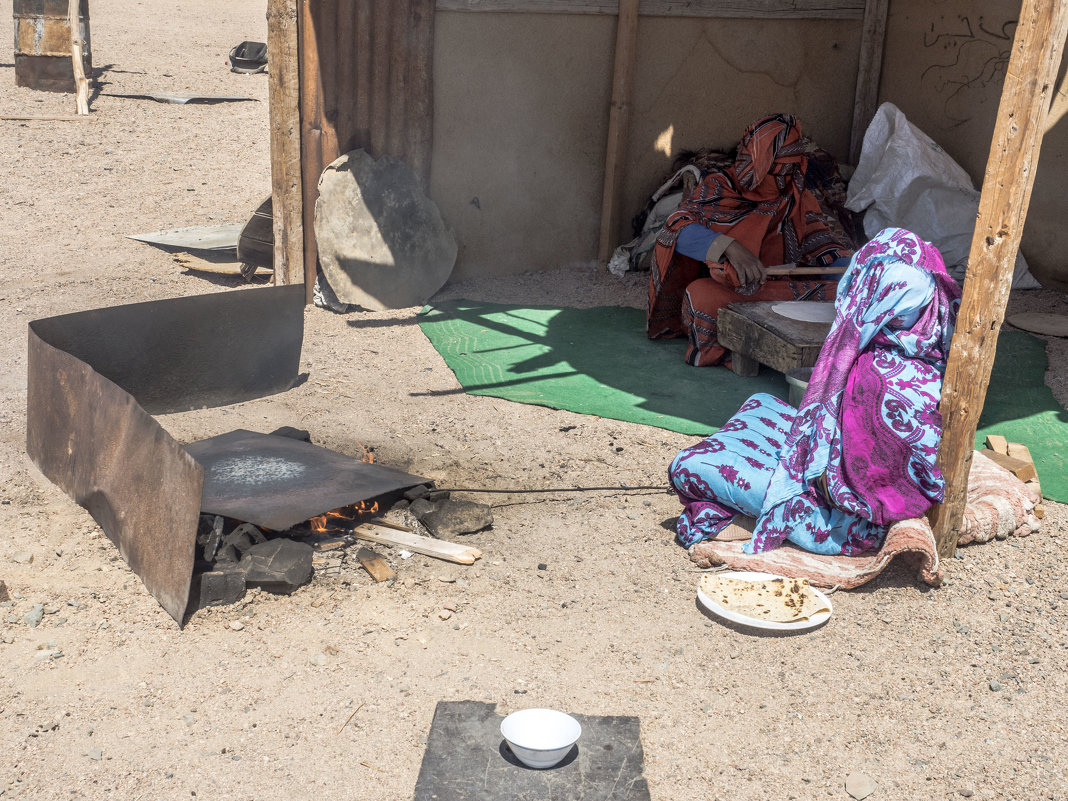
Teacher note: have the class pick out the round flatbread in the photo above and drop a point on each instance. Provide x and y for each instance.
(778, 600)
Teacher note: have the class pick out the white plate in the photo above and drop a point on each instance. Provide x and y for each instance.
(817, 619)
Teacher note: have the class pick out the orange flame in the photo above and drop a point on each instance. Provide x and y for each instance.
(347, 514)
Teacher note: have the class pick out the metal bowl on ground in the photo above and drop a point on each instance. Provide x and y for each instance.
(798, 379)
(540, 738)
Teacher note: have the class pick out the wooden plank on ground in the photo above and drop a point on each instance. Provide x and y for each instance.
(1024, 471)
(428, 546)
(375, 565)
(997, 443)
(1010, 174)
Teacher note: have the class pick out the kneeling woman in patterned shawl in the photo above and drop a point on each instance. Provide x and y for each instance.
(860, 452)
(714, 249)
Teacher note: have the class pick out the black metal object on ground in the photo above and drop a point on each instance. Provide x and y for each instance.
(277, 482)
(466, 759)
(93, 378)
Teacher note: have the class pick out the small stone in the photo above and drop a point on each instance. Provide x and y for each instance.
(995, 686)
(95, 754)
(445, 614)
(236, 625)
(22, 558)
(418, 491)
(189, 719)
(860, 785)
(5, 597)
(279, 566)
(450, 605)
(319, 659)
(34, 617)
(543, 566)
(457, 517)
(967, 792)
(217, 587)
(447, 579)
(420, 507)
(51, 610)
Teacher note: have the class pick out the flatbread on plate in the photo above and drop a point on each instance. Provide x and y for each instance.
(778, 600)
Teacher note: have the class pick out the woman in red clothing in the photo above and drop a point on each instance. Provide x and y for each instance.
(715, 248)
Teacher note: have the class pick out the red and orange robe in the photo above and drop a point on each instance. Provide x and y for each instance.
(762, 203)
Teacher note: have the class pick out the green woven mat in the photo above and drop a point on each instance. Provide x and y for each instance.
(591, 361)
(598, 361)
(1021, 408)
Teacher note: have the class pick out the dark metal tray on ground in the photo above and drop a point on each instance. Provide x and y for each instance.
(466, 759)
(756, 335)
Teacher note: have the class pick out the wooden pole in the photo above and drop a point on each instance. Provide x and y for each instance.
(81, 82)
(869, 72)
(314, 137)
(1010, 175)
(421, 89)
(618, 118)
(283, 79)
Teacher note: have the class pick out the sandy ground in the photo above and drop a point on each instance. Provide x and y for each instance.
(955, 692)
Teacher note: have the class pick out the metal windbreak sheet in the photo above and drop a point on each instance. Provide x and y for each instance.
(93, 378)
(93, 440)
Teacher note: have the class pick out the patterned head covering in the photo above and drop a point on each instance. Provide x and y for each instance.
(771, 146)
(761, 201)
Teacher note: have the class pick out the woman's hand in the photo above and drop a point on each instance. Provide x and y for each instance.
(749, 268)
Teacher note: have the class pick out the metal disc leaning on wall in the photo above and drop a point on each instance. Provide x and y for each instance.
(382, 242)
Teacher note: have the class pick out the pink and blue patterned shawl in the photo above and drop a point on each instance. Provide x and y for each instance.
(865, 439)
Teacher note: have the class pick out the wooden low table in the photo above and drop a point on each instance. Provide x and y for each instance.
(756, 335)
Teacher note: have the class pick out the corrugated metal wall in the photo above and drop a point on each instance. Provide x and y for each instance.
(366, 75)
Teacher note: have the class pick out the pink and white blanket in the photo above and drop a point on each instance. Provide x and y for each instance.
(999, 505)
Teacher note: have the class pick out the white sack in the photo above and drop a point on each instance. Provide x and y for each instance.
(905, 180)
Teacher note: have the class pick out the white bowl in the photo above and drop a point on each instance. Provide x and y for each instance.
(540, 738)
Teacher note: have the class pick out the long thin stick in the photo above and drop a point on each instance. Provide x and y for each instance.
(791, 269)
(41, 118)
(350, 717)
(81, 83)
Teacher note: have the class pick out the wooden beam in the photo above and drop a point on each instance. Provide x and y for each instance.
(428, 546)
(318, 137)
(81, 82)
(869, 72)
(1010, 175)
(742, 9)
(283, 80)
(618, 119)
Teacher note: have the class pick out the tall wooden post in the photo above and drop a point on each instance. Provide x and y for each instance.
(1010, 175)
(283, 58)
(618, 119)
(869, 72)
(77, 56)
